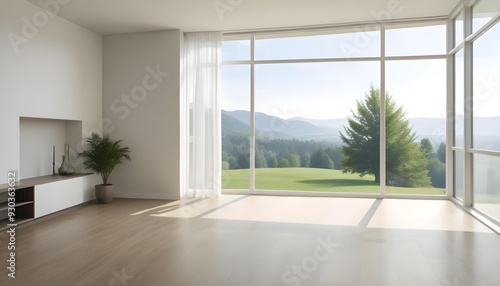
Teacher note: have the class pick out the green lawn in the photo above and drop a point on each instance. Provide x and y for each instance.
(310, 179)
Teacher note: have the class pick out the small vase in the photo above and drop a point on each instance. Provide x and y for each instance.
(66, 168)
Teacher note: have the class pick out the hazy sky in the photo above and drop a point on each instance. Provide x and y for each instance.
(487, 73)
(330, 90)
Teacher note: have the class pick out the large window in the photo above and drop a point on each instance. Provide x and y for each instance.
(486, 100)
(317, 45)
(414, 40)
(301, 110)
(416, 137)
(236, 48)
(304, 114)
(235, 119)
(487, 185)
(485, 112)
(476, 97)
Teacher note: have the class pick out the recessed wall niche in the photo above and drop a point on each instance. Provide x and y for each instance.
(37, 138)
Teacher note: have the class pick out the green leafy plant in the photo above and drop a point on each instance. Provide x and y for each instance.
(103, 154)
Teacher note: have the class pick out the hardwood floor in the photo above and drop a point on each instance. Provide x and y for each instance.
(246, 240)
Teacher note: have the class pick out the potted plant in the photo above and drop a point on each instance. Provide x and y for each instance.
(101, 157)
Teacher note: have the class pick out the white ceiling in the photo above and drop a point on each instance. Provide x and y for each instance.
(124, 16)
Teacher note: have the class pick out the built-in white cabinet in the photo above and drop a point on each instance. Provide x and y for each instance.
(40, 196)
(56, 196)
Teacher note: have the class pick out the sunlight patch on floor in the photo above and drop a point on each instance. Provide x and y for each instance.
(307, 210)
(424, 215)
(390, 214)
(199, 207)
(165, 207)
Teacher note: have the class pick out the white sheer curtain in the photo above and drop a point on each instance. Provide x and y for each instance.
(200, 116)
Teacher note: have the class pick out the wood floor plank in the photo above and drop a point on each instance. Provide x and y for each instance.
(126, 243)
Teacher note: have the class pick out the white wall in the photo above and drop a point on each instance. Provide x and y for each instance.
(56, 73)
(36, 140)
(141, 107)
(38, 137)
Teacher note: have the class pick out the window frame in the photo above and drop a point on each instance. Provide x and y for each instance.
(382, 58)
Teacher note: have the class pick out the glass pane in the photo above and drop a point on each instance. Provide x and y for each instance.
(235, 105)
(317, 45)
(236, 50)
(487, 90)
(459, 28)
(412, 41)
(483, 12)
(300, 111)
(416, 126)
(487, 185)
(459, 99)
(458, 191)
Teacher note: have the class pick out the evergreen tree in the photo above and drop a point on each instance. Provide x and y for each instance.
(224, 156)
(260, 160)
(335, 153)
(426, 146)
(273, 162)
(243, 160)
(305, 160)
(441, 152)
(412, 172)
(284, 163)
(233, 163)
(320, 159)
(293, 160)
(437, 172)
(406, 164)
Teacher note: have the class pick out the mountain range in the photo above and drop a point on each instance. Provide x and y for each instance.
(276, 127)
(328, 130)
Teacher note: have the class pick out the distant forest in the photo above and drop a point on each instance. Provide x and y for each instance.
(279, 153)
(295, 153)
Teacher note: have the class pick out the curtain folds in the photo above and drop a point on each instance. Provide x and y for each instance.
(200, 116)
